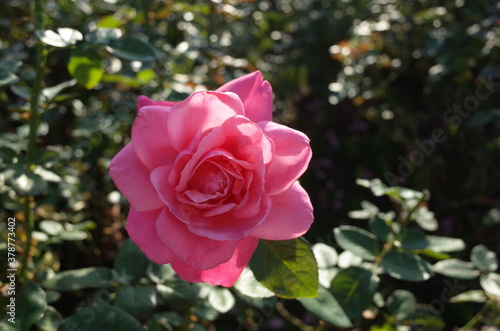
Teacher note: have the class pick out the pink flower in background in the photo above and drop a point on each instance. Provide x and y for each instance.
(208, 176)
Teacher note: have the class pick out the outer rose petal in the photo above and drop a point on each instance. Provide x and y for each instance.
(292, 154)
(141, 229)
(132, 179)
(225, 274)
(255, 93)
(197, 251)
(290, 217)
(145, 101)
(200, 112)
(150, 138)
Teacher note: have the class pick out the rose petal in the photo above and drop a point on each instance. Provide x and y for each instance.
(240, 133)
(132, 179)
(143, 100)
(200, 112)
(255, 93)
(290, 216)
(292, 154)
(229, 227)
(225, 274)
(141, 229)
(197, 251)
(150, 137)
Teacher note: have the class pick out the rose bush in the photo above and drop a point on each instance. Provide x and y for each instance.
(208, 176)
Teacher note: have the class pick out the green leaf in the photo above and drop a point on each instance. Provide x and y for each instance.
(64, 37)
(73, 235)
(29, 184)
(159, 273)
(413, 238)
(249, 286)
(132, 49)
(50, 320)
(440, 244)
(327, 308)
(7, 78)
(86, 66)
(490, 282)
(101, 317)
(484, 259)
(354, 289)
(51, 92)
(138, 301)
(326, 257)
(470, 296)
(51, 227)
(425, 219)
(103, 35)
(456, 268)
(492, 218)
(131, 262)
(287, 268)
(221, 299)
(77, 279)
(357, 241)
(369, 210)
(406, 266)
(380, 228)
(30, 306)
(401, 304)
(177, 291)
(378, 188)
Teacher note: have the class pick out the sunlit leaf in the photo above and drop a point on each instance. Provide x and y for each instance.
(354, 288)
(401, 304)
(30, 306)
(221, 299)
(357, 241)
(249, 286)
(287, 268)
(64, 37)
(444, 244)
(86, 66)
(327, 308)
(406, 266)
(484, 259)
(490, 282)
(132, 49)
(456, 268)
(470, 296)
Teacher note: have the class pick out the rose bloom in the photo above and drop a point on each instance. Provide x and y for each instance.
(208, 176)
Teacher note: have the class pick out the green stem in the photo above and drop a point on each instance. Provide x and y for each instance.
(476, 318)
(34, 122)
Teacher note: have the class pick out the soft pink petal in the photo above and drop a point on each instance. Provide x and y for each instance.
(145, 101)
(255, 93)
(132, 179)
(290, 217)
(150, 137)
(197, 251)
(200, 112)
(240, 133)
(225, 274)
(292, 154)
(141, 229)
(220, 227)
(230, 227)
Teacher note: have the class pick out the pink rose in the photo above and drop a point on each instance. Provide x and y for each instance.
(208, 176)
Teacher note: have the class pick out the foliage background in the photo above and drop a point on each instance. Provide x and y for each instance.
(365, 80)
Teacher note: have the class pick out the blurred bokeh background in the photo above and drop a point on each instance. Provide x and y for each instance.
(404, 91)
